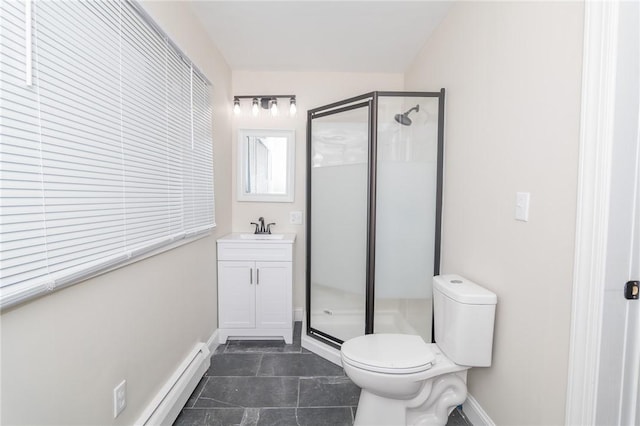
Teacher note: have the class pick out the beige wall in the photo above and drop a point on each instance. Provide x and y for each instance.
(312, 90)
(63, 354)
(512, 73)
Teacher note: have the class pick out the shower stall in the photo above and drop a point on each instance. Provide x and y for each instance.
(374, 196)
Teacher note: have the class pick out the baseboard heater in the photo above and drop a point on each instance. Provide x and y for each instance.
(165, 407)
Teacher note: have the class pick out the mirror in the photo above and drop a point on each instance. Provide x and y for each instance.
(266, 165)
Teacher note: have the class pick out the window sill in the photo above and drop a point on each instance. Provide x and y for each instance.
(18, 294)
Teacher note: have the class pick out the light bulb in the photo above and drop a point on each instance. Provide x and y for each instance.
(292, 107)
(254, 107)
(236, 106)
(274, 107)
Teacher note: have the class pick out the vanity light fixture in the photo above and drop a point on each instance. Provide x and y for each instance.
(292, 106)
(268, 102)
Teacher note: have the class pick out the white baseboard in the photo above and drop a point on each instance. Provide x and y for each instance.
(298, 314)
(474, 412)
(166, 405)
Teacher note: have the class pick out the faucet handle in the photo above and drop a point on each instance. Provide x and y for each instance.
(257, 225)
(269, 227)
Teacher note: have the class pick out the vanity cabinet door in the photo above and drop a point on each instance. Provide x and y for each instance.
(236, 291)
(273, 295)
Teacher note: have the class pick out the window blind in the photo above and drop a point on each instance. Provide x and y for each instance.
(106, 151)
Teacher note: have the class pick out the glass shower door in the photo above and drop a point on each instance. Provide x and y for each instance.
(338, 211)
(407, 165)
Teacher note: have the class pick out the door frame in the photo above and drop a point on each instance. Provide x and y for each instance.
(601, 30)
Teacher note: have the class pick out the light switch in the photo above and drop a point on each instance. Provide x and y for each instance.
(295, 218)
(522, 206)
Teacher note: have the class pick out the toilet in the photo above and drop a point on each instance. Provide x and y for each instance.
(406, 381)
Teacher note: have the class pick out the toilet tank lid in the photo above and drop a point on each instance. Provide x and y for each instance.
(463, 291)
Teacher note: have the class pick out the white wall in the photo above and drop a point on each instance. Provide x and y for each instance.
(63, 354)
(512, 71)
(312, 89)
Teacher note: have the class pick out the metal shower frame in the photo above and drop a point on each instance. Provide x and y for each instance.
(369, 100)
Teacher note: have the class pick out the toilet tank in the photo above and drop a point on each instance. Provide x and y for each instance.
(464, 314)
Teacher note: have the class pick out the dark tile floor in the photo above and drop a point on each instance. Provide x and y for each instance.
(267, 382)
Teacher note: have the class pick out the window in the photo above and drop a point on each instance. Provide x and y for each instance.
(106, 150)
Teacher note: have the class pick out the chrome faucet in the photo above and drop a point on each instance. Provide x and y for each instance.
(261, 228)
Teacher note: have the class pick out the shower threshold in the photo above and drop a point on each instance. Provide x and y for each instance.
(348, 324)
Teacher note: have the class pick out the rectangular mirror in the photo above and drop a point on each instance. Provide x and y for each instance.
(266, 165)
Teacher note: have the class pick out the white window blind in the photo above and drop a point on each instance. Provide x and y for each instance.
(107, 154)
(202, 184)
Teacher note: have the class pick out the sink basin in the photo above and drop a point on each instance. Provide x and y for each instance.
(261, 236)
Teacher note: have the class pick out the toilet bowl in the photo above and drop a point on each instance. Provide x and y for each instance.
(406, 381)
(397, 384)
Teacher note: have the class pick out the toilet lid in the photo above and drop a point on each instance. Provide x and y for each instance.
(388, 353)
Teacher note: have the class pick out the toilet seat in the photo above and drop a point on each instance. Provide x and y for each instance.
(389, 353)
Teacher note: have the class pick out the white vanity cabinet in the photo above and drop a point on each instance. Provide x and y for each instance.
(255, 280)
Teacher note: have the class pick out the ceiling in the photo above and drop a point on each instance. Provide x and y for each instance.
(305, 35)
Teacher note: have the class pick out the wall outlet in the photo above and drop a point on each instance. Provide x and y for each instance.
(119, 398)
(295, 218)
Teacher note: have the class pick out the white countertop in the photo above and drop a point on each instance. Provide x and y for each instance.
(237, 237)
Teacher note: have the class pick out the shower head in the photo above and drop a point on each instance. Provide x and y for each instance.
(404, 117)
